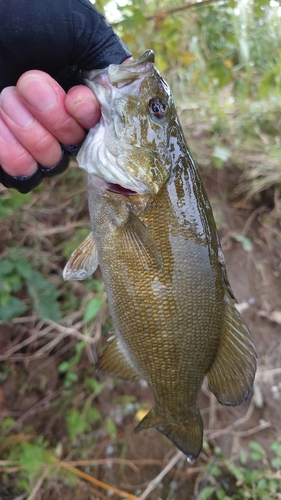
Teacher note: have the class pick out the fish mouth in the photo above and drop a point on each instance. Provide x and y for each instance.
(120, 75)
(118, 189)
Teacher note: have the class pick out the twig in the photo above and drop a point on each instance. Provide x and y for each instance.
(211, 434)
(97, 493)
(24, 319)
(104, 461)
(64, 332)
(258, 428)
(95, 481)
(160, 476)
(249, 432)
(165, 13)
(38, 485)
(51, 359)
(33, 410)
(251, 218)
(274, 371)
(61, 229)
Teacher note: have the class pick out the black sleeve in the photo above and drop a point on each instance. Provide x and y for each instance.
(56, 36)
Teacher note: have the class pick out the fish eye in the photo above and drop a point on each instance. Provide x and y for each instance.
(157, 107)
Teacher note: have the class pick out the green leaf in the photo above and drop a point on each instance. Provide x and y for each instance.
(12, 202)
(243, 457)
(63, 367)
(245, 242)
(215, 471)
(255, 456)
(94, 385)
(207, 492)
(13, 309)
(6, 267)
(261, 494)
(110, 427)
(93, 415)
(276, 462)
(76, 424)
(24, 268)
(44, 295)
(273, 485)
(257, 449)
(222, 153)
(220, 494)
(262, 483)
(92, 309)
(6, 423)
(276, 447)
(31, 458)
(237, 472)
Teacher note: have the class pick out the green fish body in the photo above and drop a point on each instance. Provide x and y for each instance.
(155, 240)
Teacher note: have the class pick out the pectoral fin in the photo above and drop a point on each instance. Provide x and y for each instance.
(139, 241)
(187, 435)
(83, 261)
(115, 362)
(232, 374)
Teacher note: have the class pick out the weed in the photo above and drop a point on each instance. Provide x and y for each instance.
(260, 480)
(17, 272)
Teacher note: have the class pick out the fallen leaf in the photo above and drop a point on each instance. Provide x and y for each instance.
(141, 414)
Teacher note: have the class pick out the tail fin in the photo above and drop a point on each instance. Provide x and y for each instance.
(187, 435)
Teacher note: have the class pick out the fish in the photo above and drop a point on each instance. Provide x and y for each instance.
(155, 239)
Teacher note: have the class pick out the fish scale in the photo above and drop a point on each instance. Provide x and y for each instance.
(155, 240)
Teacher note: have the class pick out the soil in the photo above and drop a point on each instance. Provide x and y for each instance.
(32, 389)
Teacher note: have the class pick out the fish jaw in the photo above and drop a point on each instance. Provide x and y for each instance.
(129, 146)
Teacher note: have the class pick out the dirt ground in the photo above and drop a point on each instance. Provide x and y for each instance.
(32, 390)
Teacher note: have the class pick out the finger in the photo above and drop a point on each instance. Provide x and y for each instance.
(14, 158)
(82, 104)
(44, 97)
(33, 136)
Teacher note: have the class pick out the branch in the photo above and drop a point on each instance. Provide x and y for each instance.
(166, 13)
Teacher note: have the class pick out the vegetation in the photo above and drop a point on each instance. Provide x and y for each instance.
(63, 427)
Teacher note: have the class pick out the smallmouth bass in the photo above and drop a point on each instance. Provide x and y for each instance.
(154, 238)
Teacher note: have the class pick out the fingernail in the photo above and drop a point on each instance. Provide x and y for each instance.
(38, 93)
(14, 108)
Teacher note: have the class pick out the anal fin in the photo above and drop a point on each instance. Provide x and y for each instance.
(83, 261)
(232, 374)
(186, 435)
(115, 362)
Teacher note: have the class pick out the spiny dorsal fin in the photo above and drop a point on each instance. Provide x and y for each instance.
(232, 374)
(115, 362)
(139, 240)
(187, 435)
(83, 261)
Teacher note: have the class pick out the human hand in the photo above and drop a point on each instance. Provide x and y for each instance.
(59, 38)
(36, 116)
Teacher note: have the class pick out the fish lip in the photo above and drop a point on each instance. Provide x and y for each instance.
(121, 74)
